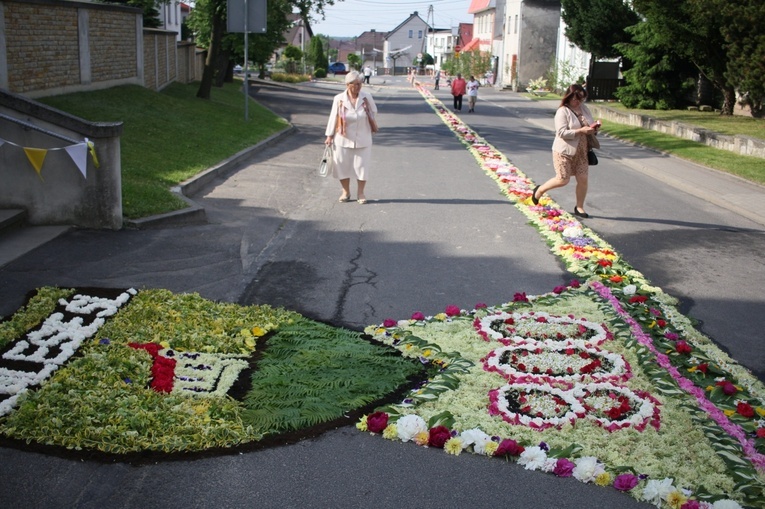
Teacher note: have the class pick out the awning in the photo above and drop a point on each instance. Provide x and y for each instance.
(471, 45)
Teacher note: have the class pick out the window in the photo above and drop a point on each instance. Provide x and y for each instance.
(411, 33)
(516, 23)
(419, 34)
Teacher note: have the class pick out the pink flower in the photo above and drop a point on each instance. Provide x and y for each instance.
(481, 305)
(728, 388)
(452, 310)
(559, 289)
(418, 316)
(438, 436)
(389, 322)
(574, 283)
(564, 468)
(377, 422)
(691, 504)
(509, 447)
(671, 336)
(520, 297)
(625, 482)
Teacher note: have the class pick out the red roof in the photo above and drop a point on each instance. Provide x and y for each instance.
(479, 5)
(473, 44)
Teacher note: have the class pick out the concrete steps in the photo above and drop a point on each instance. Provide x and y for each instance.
(18, 238)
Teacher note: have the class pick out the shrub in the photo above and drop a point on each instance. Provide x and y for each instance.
(290, 78)
(320, 73)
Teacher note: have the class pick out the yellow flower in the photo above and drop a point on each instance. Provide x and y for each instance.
(200, 409)
(380, 331)
(710, 388)
(427, 353)
(164, 344)
(652, 324)
(453, 446)
(440, 316)
(362, 424)
(676, 499)
(729, 412)
(390, 432)
(603, 479)
(490, 448)
(421, 438)
(692, 369)
(258, 331)
(760, 411)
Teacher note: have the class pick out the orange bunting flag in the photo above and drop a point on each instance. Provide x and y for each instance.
(36, 156)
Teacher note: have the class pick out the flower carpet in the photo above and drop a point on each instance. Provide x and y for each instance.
(603, 379)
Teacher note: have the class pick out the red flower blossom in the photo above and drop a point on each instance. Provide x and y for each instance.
(683, 348)
(661, 323)
(559, 289)
(520, 297)
(615, 279)
(452, 310)
(574, 283)
(438, 436)
(377, 422)
(418, 316)
(638, 299)
(745, 410)
(703, 367)
(728, 388)
(604, 263)
(760, 432)
(481, 305)
(508, 447)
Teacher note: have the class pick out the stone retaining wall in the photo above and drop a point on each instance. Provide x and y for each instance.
(744, 145)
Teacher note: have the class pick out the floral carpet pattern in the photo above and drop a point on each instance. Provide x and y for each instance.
(603, 380)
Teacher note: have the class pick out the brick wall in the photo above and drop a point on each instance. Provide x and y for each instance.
(56, 46)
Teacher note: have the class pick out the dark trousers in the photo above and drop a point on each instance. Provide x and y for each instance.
(436, 84)
(458, 102)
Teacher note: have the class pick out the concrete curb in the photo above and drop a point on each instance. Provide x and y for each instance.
(195, 213)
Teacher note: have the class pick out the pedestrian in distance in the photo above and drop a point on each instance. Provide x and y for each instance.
(367, 74)
(472, 93)
(575, 134)
(350, 127)
(458, 90)
(437, 78)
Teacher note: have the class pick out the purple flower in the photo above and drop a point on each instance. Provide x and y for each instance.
(625, 482)
(127, 381)
(544, 446)
(104, 341)
(671, 336)
(564, 468)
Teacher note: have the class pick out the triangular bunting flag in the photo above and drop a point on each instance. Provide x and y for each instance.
(36, 156)
(92, 149)
(79, 154)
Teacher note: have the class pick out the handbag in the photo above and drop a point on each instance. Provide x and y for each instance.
(592, 158)
(592, 142)
(325, 165)
(370, 116)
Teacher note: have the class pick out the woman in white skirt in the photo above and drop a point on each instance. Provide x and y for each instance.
(350, 127)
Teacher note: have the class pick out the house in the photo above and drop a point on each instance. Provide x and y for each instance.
(441, 45)
(369, 46)
(170, 17)
(404, 43)
(484, 14)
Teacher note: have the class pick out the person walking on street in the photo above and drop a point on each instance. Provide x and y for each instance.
(437, 78)
(575, 132)
(350, 127)
(367, 74)
(472, 93)
(458, 90)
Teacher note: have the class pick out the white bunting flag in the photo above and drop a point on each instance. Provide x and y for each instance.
(79, 154)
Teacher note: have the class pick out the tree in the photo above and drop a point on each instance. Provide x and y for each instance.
(596, 26)
(745, 45)
(212, 21)
(292, 55)
(657, 79)
(315, 54)
(692, 30)
(354, 61)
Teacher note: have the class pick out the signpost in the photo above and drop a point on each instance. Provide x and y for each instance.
(241, 17)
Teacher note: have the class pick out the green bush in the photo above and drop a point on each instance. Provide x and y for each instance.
(320, 73)
(290, 78)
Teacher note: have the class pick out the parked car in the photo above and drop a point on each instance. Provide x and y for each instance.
(337, 68)
(237, 68)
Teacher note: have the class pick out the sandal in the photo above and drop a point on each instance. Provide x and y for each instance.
(362, 201)
(344, 199)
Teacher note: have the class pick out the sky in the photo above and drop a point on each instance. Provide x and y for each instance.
(350, 18)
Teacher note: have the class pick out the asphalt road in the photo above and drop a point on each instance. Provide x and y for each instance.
(435, 232)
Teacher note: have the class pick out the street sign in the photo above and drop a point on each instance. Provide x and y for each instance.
(256, 16)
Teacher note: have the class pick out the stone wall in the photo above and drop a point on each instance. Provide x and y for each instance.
(744, 145)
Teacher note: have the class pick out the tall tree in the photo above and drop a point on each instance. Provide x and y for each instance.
(692, 29)
(315, 54)
(213, 15)
(597, 25)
